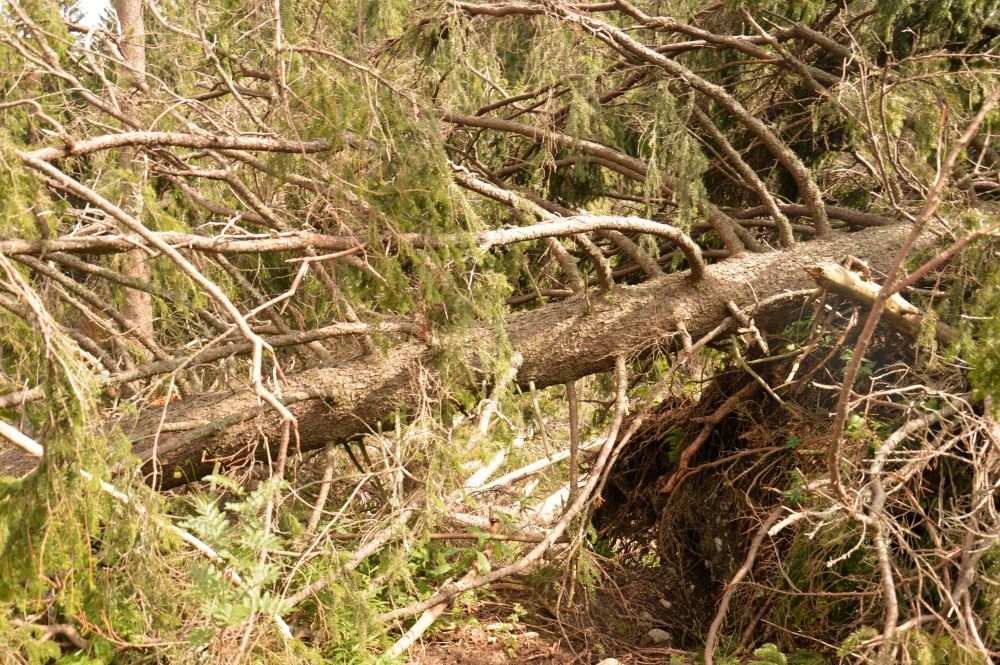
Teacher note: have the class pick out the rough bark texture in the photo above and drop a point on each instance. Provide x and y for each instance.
(559, 342)
(137, 306)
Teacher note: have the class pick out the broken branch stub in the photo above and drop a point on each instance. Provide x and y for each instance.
(900, 314)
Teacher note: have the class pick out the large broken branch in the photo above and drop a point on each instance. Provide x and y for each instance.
(179, 139)
(904, 316)
(112, 244)
(559, 342)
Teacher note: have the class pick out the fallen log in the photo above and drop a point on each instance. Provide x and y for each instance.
(560, 342)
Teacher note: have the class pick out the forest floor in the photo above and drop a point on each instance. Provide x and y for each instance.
(491, 644)
(516, 625)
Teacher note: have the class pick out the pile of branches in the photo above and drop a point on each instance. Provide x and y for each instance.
(734, 490)
(255, 264)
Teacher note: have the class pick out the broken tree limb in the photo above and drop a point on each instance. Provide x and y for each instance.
(24, 443)
(113, 244)
(744, 570)
(535, 467)
(903, 316)
(424, 622)
(560, 342)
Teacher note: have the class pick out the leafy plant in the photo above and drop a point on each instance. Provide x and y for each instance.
(769, 654)
(241, 535)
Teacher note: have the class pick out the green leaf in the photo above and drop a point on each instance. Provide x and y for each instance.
(483, 563)
(792, 442)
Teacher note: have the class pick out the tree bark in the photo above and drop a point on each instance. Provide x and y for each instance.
(560, 342)
(137, 306)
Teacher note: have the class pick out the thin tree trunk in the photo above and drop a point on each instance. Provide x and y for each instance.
(137, 306)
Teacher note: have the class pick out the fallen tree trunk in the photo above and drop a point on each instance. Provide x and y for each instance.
(560, 342)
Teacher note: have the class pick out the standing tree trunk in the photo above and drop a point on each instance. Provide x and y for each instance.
(137, 306)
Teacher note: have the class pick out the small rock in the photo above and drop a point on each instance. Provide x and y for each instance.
(666, 604)
(646, 616)
(609, 661)
(659, 636)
